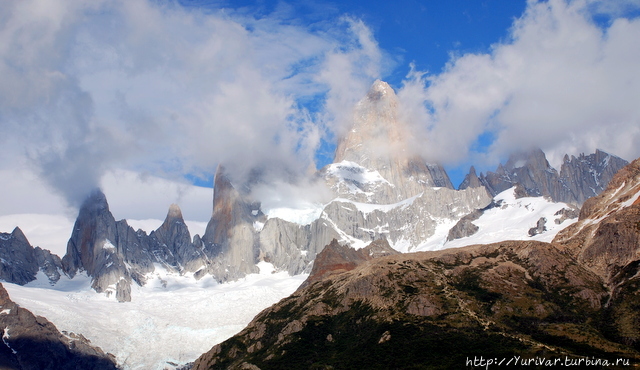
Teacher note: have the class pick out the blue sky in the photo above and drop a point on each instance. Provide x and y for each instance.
(426, 34)
(171, 89)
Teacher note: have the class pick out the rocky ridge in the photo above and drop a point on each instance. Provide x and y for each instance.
(378, 142)
(20, 262)
(380, 191)
(579, 178)
(575, 297)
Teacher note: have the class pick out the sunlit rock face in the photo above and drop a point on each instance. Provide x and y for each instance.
(579, 177)
(230, 237)
(373, 161)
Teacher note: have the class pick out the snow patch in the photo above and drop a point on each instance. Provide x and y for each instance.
(173, 318)
(306, 214)
(511, 220)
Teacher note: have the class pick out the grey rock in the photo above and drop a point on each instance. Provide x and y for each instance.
(230, 237)
(465, 226)
(48, 263)
(107, 250)
(539, 228)
(378, 141)
(18, 263)
(588, 176)
(566, 214)
(471, 180)
(579, 178)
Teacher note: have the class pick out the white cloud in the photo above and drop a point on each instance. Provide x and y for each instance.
(561, 82)
(90, 87)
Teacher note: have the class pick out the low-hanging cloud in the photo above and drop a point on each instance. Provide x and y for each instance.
(91, 86)
(560, 81)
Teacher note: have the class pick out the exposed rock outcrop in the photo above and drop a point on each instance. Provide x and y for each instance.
(20, 262)
(336, 258)
(32, 342)
(539, 228)
(17, 258)
(465, 226)
(375, 150)
(110, 252)
(579, 178)
(572, 298)
(231, 238)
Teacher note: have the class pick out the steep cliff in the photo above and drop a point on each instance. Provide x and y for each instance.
(579, 178)
(574, 298)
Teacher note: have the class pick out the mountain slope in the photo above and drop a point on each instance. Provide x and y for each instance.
(32, 342)
(577, 296)
(579, 178)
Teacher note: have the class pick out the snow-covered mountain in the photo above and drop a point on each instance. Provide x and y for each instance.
(379, 190)
(578, 179)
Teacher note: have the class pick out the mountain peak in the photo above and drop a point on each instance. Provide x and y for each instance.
(174, 212)
(379, 90)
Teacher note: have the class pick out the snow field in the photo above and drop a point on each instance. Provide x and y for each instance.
(509, 221)
(160, 325)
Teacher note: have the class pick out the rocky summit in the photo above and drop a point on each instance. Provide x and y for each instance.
(380, 189)
(579, 177)
(576, 297)
(20, 262)
(376, 152)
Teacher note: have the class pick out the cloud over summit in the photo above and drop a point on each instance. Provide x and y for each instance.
(90, 87)
(560, 81)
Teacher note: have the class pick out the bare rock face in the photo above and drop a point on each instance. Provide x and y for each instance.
(110, 252)
(336, 258)
(286, 245)
(20, 262)
(539, 228)
(231, 237)
(579, 178)
(465, 227)
(172, 245)
(32, 342)
(606, 237)
(587, 176)
(375, 152)
(471, 180)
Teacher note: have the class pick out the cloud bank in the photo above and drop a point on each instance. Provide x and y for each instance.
(90, 87)
(561, 82)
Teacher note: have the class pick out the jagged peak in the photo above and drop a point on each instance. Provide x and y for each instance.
(380, 89)
(95, 201)
(174, 212)
(19, 235)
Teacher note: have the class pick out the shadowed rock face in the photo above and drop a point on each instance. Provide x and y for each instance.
(20, 262)
(110, 252)
(336, 258)
(379, 141)
(32, 342)
(579, 178)
(577, 296)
